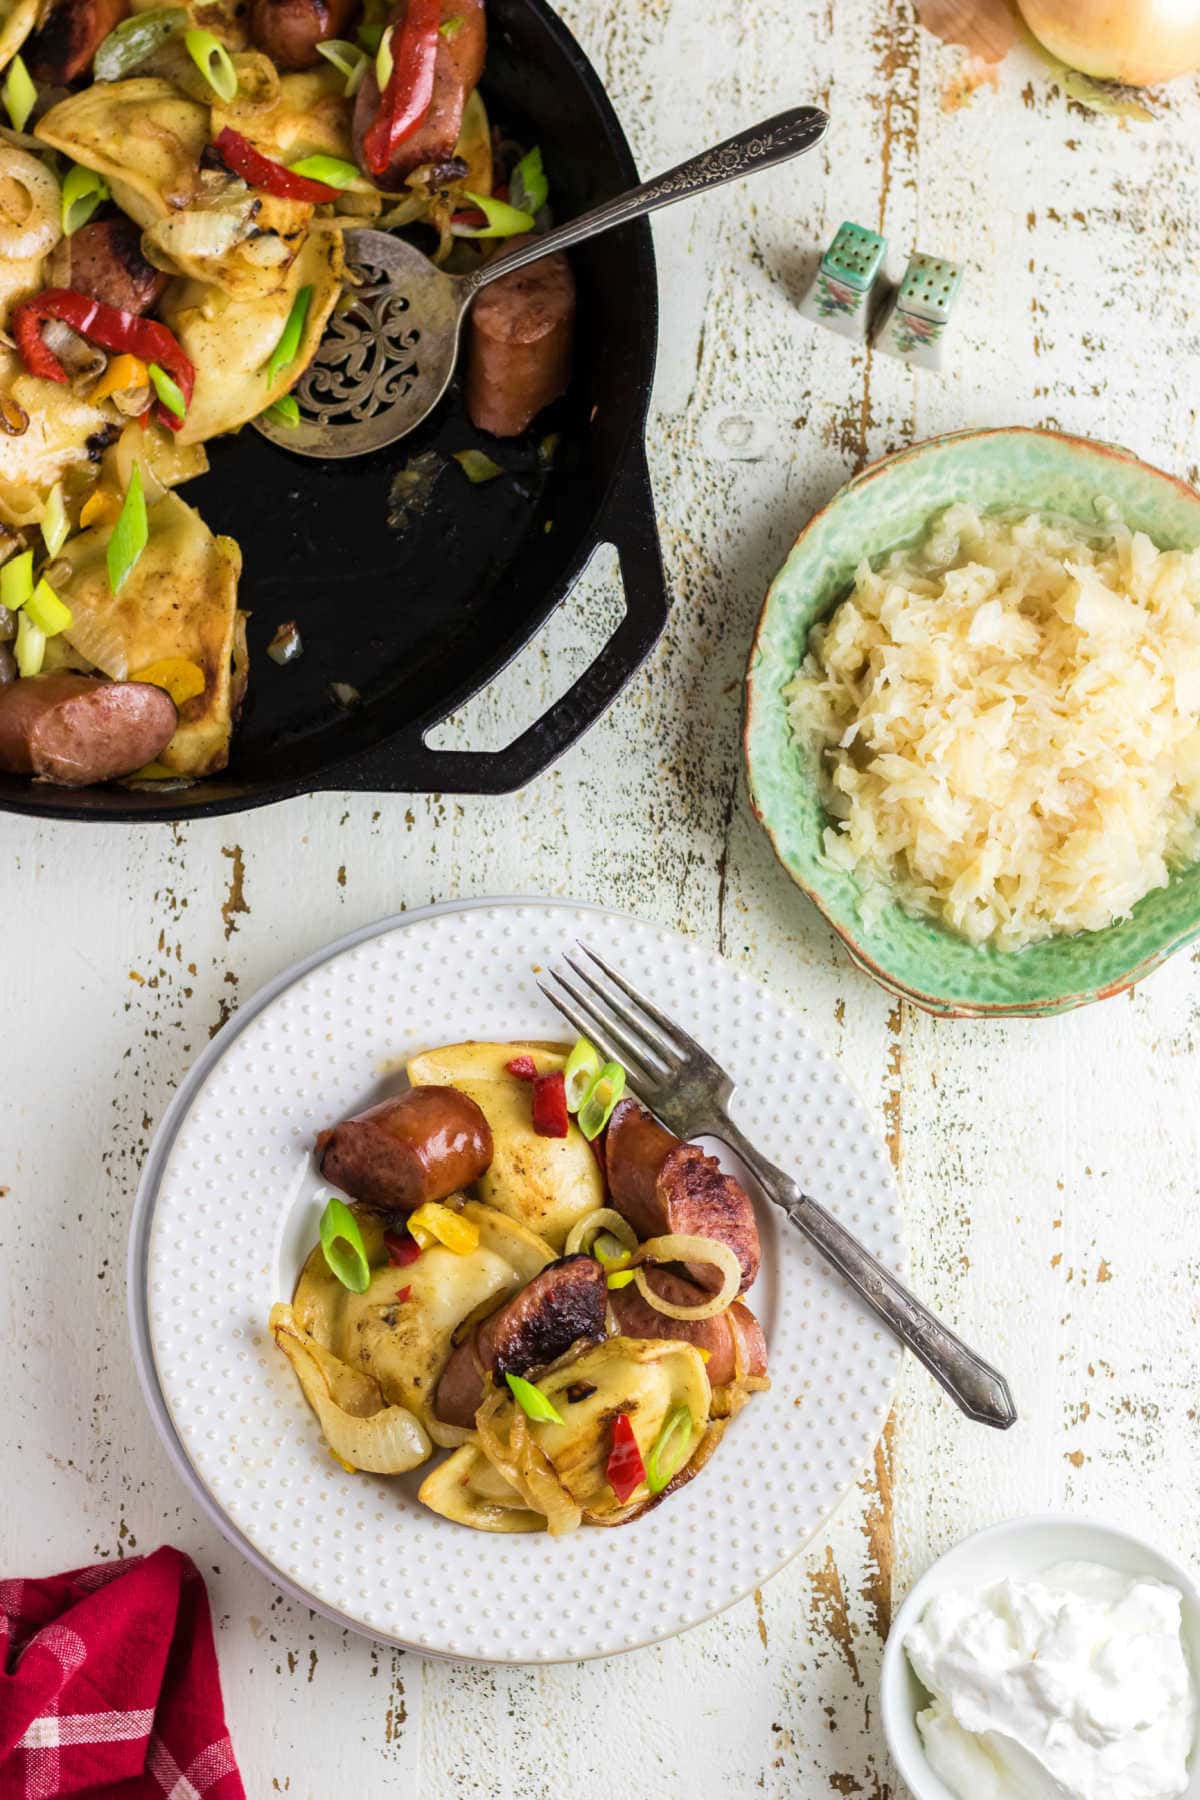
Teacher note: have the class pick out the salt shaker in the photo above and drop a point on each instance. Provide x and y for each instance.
(841, 291)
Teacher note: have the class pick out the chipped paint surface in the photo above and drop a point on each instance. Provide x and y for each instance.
(1048, 1169)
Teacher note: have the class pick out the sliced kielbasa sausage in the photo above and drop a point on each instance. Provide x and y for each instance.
(662, 1186)
(73, 729)
(731, 1338)
(460, 59)
(288, 31)
(70, 34)
(561, 1305)
(423, 1145)
(635, 1148)
(519, 345)
(104, 259)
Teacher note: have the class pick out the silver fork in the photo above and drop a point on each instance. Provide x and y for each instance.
(688, 1091)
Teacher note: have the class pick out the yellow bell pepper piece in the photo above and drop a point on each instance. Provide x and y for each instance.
(100, 508)
(182, 679)
(435, 1223)
(123, 372)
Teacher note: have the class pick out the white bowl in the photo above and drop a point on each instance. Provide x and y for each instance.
(1020, 1547)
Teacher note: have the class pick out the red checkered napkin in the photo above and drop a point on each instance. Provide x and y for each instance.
(109, 1686)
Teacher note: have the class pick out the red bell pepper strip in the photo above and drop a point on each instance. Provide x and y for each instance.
(270, 177)
(625, 1469)
(103, 325)
(523, 1067)
(402, 1249)
(407, 96)
(550, 1116)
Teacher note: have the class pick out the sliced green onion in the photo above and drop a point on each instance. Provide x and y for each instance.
(285, 350)
(476, 466)
(82, 193)
(346, 57)
(20, 95)
(330, 169)
(47, 611)
(384, 63)
(168, 391)
(370, 37)
(30, 648)
(601, 1097)
(286, 411)
(56, 527)
(136, 38)
(583, 1066)
(621, 1278)
(16, 581)
(531, 1400)
(130, 534)
(609, 1250)
(343, 1247)
(450, 28)
(548, 449)
(669, 1449)
(503, 220)
(214, 63)
(529, 190)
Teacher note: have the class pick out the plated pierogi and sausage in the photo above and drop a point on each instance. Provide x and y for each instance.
(532, 1274)
(175, 182)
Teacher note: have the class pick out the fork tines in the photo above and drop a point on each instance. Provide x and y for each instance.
(623, 1024)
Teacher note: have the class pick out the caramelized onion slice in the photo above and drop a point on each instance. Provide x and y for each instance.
(361, 1431)
(584, 1234)
(677, 1247)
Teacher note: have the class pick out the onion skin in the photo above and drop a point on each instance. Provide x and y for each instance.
(1137, 42)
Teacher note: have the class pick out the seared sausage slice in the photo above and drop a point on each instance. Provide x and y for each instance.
(73, 729)
(421, 1146)
(104, 259)
(288, 31)
(662, 1186)
(70, 35)
(459, 65)
(561, 1305)
(519, 345)
(734, 1335)
(635, 1148)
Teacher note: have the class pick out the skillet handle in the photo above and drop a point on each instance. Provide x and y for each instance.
(408, 765)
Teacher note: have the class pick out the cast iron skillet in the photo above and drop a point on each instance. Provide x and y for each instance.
(417, 620)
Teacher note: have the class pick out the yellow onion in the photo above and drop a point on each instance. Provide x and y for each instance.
(1138, 42)
(359, 1428)
(30, 204)
(584, 1233)
(685, 1248)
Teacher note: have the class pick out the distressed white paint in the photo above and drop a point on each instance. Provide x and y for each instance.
(1048, 1169)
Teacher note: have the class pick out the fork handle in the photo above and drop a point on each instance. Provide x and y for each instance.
(981, 1391)
(772, 141)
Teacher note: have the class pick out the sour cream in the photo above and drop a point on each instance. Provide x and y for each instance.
(1070, 1686)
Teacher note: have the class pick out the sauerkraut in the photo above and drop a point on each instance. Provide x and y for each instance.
(1006, 724)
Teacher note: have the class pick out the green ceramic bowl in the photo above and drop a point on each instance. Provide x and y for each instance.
(891, 504)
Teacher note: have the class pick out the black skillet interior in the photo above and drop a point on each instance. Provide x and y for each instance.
(417, 619)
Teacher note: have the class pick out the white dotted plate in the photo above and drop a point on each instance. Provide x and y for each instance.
(229, 1206)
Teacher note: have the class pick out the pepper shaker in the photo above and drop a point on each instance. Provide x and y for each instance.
(914, 323)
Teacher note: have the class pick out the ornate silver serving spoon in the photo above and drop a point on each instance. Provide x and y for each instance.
(384, 365)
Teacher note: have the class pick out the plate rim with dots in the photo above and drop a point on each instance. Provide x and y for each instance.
(812, 1459)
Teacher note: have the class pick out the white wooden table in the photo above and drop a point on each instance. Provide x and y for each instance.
(1048, 1169)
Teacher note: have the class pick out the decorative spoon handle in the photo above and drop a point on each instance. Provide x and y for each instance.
(774, 141)
(981, 1391)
